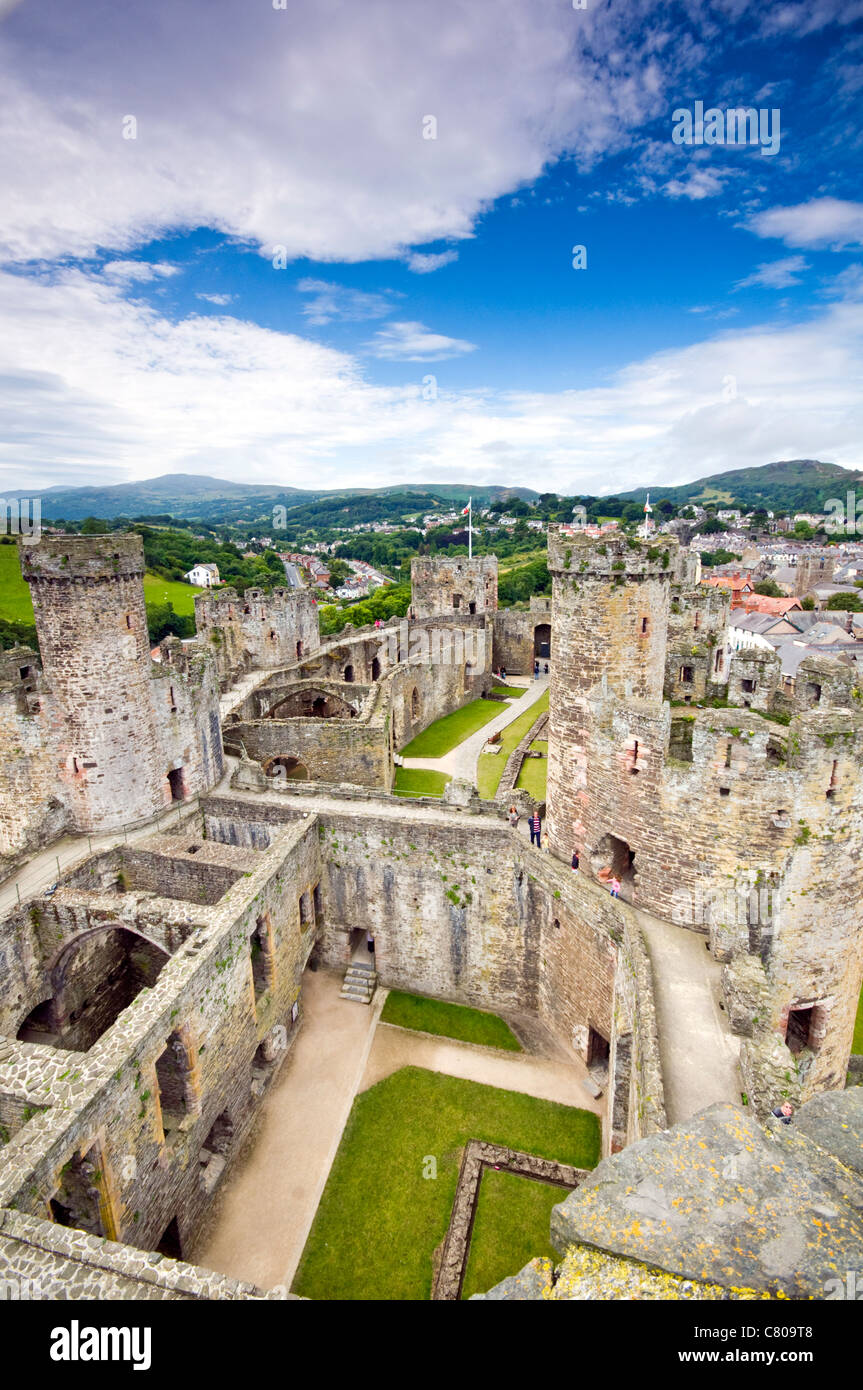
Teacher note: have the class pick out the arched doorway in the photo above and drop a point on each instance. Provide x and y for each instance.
(415, 705)
(376, 668)
(349, 674)
(542, 641)
(287, 769)
(93, 978)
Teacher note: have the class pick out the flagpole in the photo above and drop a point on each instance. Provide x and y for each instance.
(470, 528)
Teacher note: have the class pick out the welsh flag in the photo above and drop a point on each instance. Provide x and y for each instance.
(467, 508)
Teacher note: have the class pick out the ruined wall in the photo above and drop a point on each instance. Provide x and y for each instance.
(696, 663)
(148, 1119)
(31, 813)
(518, 636)
(442, 587)
(753, 678)
(421, 671)
(258, 631)
(185, 693)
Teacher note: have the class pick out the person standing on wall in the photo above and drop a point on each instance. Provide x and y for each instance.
(615, 887)
(535, 829)
(513, 817)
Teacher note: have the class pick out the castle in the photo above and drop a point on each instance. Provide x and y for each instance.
(147, 1004)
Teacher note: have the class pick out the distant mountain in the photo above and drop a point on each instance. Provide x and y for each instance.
(799, 484)
(193, 495)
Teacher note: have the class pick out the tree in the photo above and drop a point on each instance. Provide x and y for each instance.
(848, 603)
(769, 588)
(804, 530)
(807, 604)
(711, 527)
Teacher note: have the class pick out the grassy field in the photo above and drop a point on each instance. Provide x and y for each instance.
(447, 733)
(511, 1226)
(181, 596)
(857, 1045)
(419, 781)
(448, 1020)
(525, 557)
(534, 771)
(490, 766)
(15, 605)
(505, 690)
(383, 1214)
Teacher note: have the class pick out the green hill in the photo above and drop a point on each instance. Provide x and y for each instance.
(192, 495)
(794, 484)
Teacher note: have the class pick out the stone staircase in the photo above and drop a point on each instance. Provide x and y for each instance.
(360, 982)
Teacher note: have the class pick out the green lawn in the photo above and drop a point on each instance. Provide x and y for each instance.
(490, 766)
(857, 1044)
(448, 1020)
(507, 690)
(419, 781)
(511, 1226)
(534, 772)
(384, 1211)
(181, 596)
(16, 607)
(447, 733)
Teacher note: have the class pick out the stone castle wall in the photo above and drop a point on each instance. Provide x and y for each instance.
(441, 586)
(258, 631)
(689, 809)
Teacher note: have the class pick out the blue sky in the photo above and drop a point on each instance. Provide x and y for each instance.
(230, 249)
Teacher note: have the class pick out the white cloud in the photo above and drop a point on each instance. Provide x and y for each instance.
(301, 128)
(220, 299)
(125, 272)
(115, 390)
(822, 222)
(332, 302)
(776, 275)
(413, 342)
(700, 183)
(422, 264)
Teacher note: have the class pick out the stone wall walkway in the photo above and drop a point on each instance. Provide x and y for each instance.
(698, 1050)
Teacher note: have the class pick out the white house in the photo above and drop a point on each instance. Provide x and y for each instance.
(205, 576)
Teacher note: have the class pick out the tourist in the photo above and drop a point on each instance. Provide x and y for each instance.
(513, 817)
(536, 670)
(615, 887)
(784, 1112)
(546, 668)
(370, 942)
(575, 859)
(535, 829)
(503, 673)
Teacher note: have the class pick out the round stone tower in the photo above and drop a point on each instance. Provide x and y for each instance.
(88, 601)
(610, 604)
